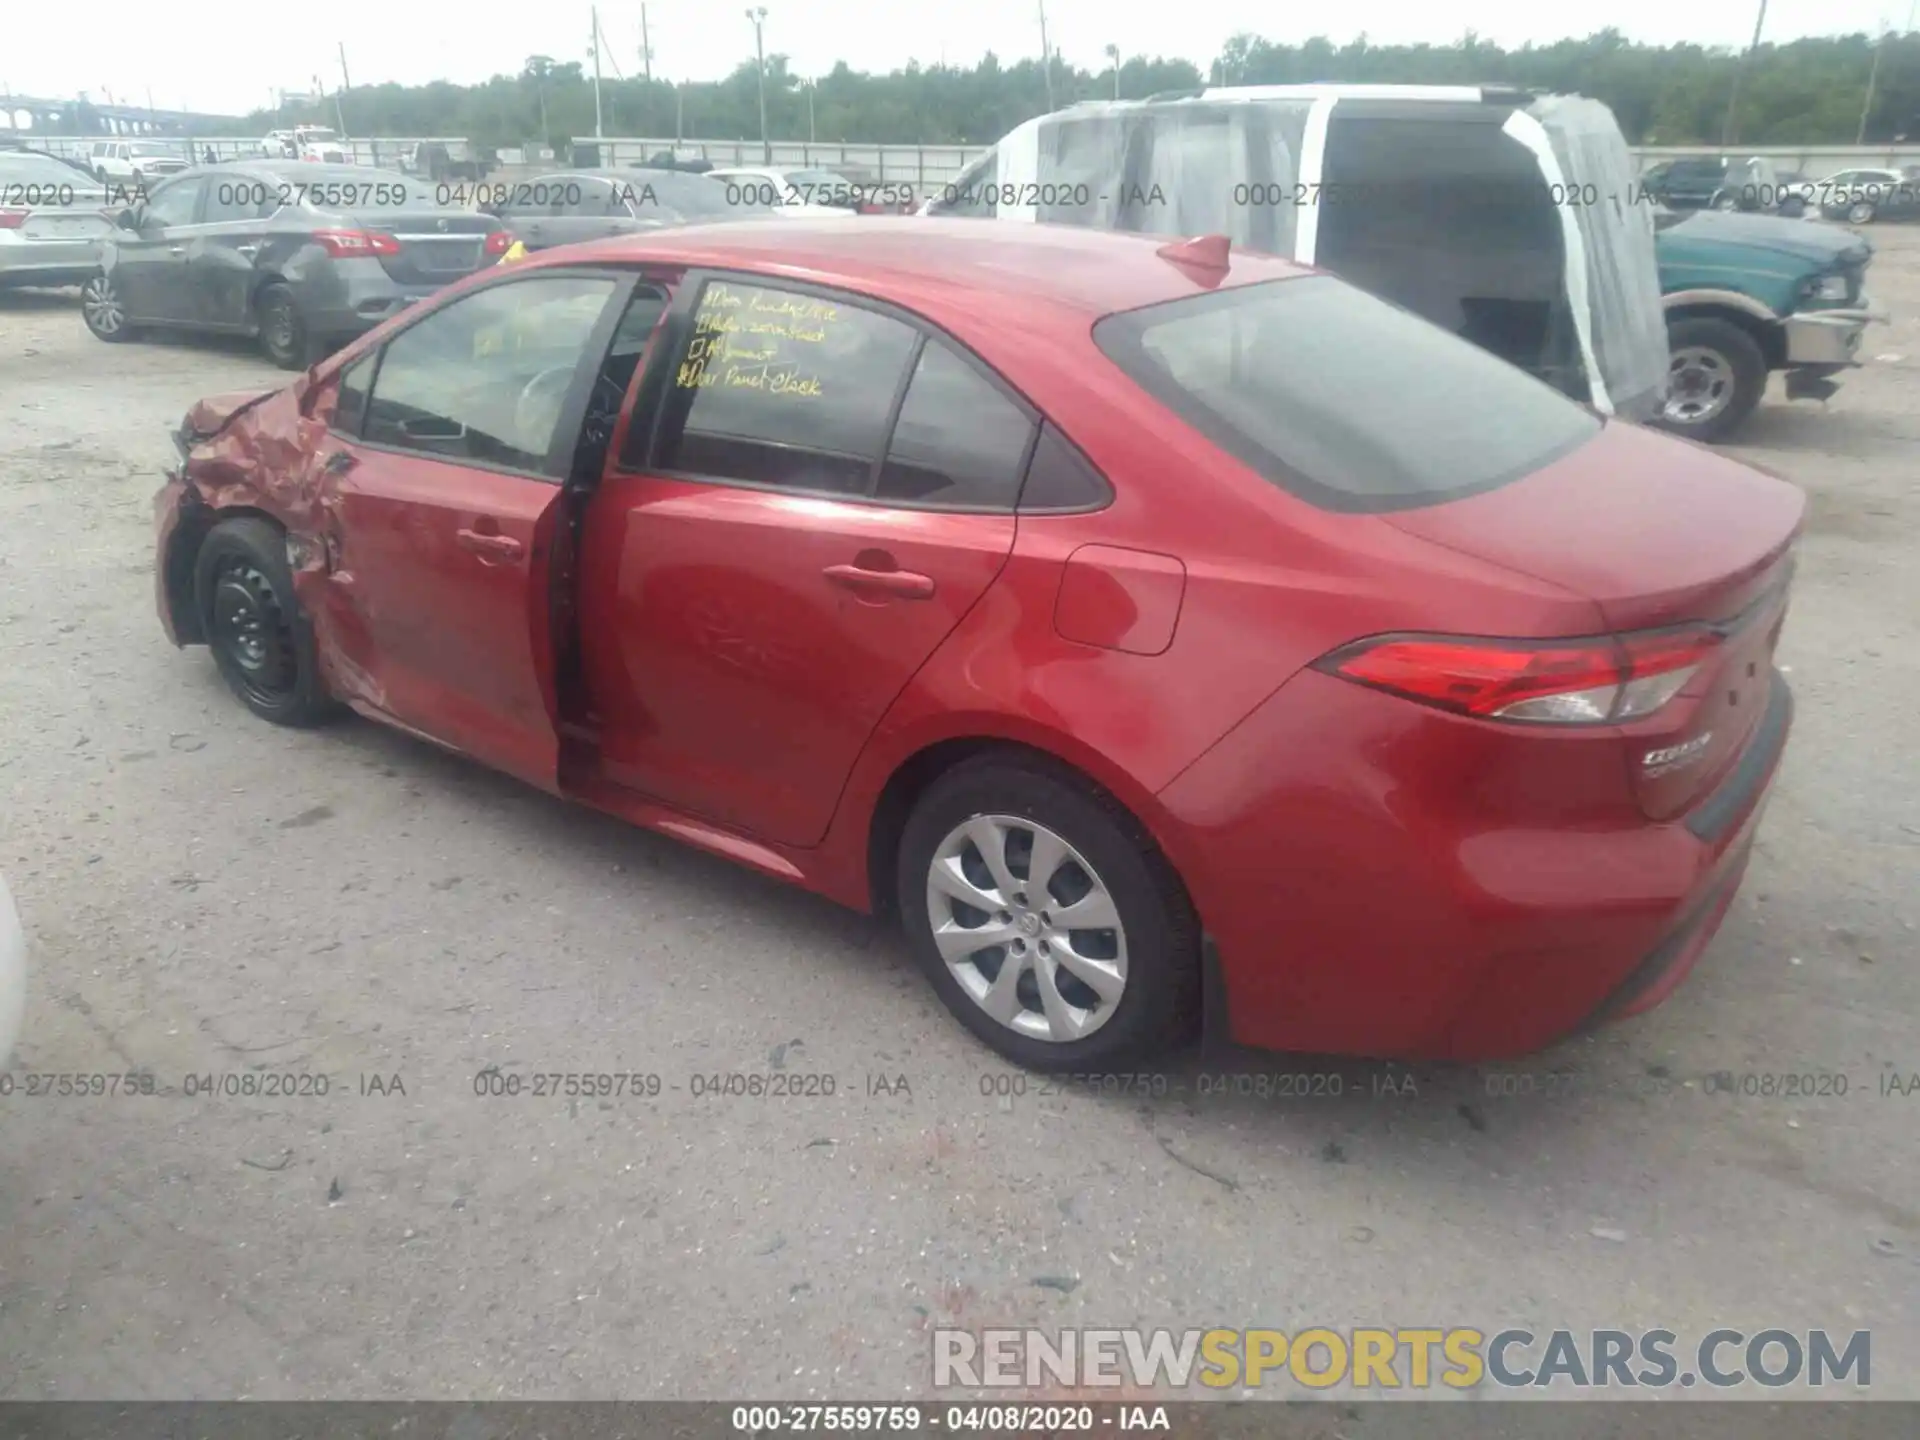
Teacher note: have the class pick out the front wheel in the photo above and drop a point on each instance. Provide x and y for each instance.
(261, 639)
(1716, 374)
(1861, 212)
(103, 310)
(1049, 922)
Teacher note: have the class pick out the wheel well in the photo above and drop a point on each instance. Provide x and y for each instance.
(919, 771)
(183, 553)
(1771, 338)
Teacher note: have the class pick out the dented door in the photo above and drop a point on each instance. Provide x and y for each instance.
(441, 507)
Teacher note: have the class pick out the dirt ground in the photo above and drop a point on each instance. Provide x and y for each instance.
(209, 897)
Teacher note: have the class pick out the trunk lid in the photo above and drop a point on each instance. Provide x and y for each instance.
(437, 246)
(1656, 532)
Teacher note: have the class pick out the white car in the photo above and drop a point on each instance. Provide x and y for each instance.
(13, 973)
(794, 193)
(136, 162)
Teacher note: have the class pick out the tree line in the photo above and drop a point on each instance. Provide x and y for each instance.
(1804, 92)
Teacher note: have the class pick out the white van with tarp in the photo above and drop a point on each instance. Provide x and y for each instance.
(1511, 219)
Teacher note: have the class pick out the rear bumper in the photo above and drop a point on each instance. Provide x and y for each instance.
(347, 298)
(46, 262)
(1376, 901)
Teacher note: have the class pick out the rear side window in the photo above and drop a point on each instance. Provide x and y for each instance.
(1342, 398)
(959, 441)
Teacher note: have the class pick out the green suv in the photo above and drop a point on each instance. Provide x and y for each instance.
(1749, 294)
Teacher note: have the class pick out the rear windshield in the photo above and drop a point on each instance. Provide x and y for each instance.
(1342, 398)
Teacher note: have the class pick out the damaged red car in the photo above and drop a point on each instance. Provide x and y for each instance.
(1171, 638)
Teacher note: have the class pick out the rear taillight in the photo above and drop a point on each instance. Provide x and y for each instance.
(348, 244)
(1600, 681)
(498, 243)
(13, 219)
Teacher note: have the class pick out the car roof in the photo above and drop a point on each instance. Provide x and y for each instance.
(308, 170)
(965, 268)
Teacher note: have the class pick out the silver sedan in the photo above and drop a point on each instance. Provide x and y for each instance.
(53, 219)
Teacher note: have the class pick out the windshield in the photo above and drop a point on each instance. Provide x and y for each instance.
(26, 171)
(1340, 398)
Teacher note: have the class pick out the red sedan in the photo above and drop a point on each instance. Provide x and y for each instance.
(1165, 635)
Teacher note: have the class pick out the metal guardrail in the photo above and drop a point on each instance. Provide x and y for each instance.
(924, 167)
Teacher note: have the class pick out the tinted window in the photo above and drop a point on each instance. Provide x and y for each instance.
(1059, 477)
(586, 196)
(959, 440)
(173, 204)
(486, 377)
(669, 197)
(1342, 398)
(350, 409)
(239, 199)
(781, 388)
(1454, 221)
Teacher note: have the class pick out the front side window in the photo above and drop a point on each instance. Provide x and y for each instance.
(776, 387)
(350, 408)
(1341, 398)
(172, 204)
(485, 379)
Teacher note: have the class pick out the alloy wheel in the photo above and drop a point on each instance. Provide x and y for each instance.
(1700, 384)
(100, 306)
(1027, 927)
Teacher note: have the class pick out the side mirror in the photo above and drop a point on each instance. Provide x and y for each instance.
(127, 220)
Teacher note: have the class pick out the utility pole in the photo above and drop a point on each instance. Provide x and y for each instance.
(340, 95)
(646, 59)
(759, 18)
(679, 112)
(1046, 56)
(1727, 131)
(594, 11)
(811, 135)
(1873, 75)
(1113, 53)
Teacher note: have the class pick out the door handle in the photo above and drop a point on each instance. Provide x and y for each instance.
(176, 249)
(247, 250)
(490, 547)
(905, 584)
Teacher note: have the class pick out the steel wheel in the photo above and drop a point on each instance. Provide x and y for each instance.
(248, 629)
(1860, 212)
(100, 307)
(1700, 385)
(1027, 928)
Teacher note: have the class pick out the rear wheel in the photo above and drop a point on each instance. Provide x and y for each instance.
(1861, 212)
(1716, 374)
(283, 334)
(1048, 921)
(103, 310)
(261, 640)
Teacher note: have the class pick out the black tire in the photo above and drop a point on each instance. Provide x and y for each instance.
(1736, 354)
(283, 333)
(99, 298)
(1159, 1005)
(261, 638)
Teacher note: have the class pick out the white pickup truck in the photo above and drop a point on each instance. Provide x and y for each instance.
(307, 142)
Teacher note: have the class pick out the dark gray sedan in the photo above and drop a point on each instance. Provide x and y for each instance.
(303, 256)
(576, 205)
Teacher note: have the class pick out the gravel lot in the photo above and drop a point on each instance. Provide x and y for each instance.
(209, 896)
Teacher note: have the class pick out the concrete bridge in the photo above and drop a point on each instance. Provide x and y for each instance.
(23, 116)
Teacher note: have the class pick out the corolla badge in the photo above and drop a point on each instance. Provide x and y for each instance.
(1675, 757)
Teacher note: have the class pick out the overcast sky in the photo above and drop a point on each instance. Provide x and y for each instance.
(226, 56)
